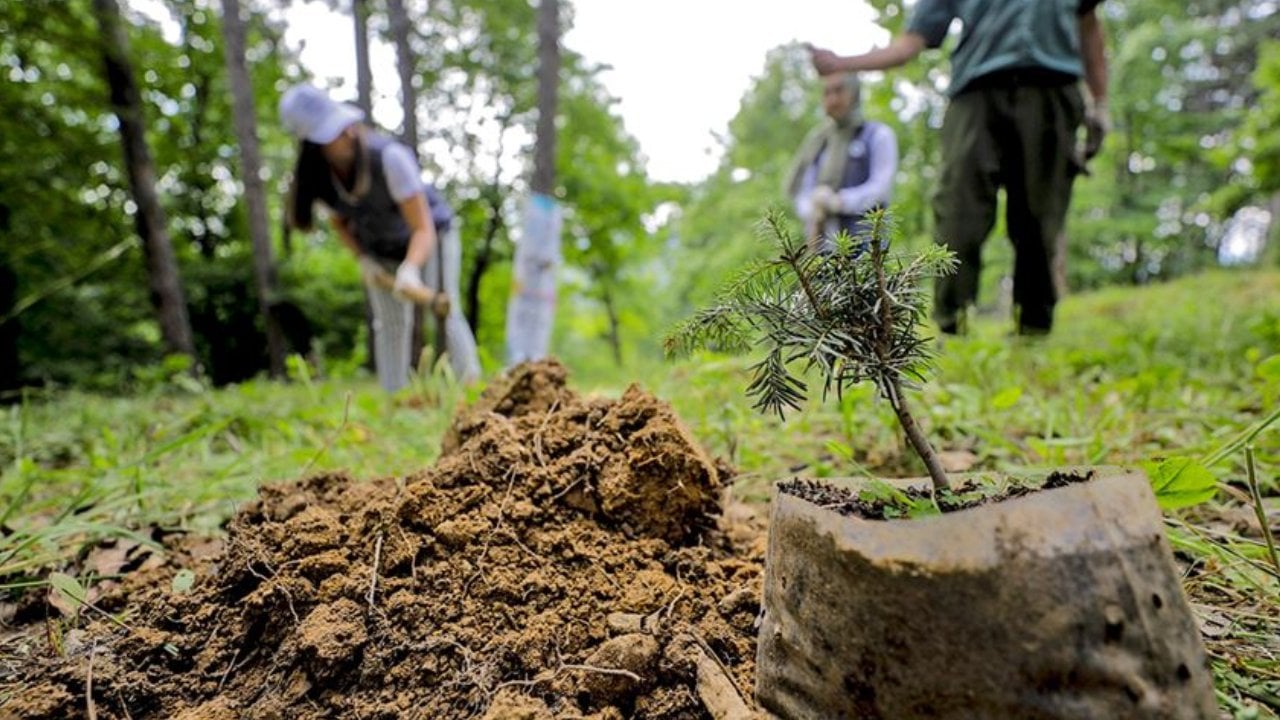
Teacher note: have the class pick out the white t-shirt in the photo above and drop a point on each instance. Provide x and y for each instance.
(404, 177)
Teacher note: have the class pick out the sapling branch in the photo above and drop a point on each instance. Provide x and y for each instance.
(845, 315)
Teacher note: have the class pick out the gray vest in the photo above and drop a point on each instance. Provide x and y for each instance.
(375, 216)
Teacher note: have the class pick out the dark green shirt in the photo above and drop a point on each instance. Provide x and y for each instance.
(1004, 35)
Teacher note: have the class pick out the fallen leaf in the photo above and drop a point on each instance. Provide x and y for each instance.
(66, 594)
(115, 558)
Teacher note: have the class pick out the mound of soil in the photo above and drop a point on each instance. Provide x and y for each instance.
(563, 559)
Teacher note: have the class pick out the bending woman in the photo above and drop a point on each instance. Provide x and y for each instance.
(386, 216)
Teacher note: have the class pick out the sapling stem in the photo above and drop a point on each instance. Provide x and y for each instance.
(897, 399)
(918, 441)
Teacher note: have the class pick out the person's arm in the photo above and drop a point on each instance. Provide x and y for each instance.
(878, 189)
(406, 188)
(423, 240)
(901, 50)
(1093, 53)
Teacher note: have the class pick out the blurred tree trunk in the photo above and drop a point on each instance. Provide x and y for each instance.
(364, 99)
(364, 75)
(9, 367)
(1273, 234)
(149, 217)
(484, 256)
(544, 153)
(398, 20)
(9, 329)
(245, 118)
(611, 312)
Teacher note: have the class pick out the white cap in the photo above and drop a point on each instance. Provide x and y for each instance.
(310, 114)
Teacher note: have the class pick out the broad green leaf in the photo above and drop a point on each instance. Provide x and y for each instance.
(1269, 369)
(1181, 482)
(1006, 398)
(69, 594)
(183, 581)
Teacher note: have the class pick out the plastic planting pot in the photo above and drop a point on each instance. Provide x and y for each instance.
(1062, 603)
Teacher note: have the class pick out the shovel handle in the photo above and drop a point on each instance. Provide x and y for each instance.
(437, 302)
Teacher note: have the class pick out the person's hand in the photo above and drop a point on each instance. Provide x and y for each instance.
(408, 278)
(827, 200)
(441, 306)
(824, 61)
(1097, 123)
(370, 270)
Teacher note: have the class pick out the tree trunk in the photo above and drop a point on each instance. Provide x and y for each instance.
(364, 99)
(483, 259)
(246, 126)
(472, 307)
(398, 19)
(611, 312)
(149, 217)
(544, 157)
(399, 22)
(10, 369)
(364, 75)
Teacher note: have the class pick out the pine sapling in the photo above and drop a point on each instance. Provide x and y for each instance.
(847, 316)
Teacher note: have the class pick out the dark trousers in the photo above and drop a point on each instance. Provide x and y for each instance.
(1003, 133)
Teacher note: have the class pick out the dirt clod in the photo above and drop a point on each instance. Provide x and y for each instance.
(542, 568)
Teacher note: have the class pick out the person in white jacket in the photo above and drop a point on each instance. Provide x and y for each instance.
(845, 168)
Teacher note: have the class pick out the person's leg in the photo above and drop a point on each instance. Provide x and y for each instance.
(1042, 166)
(460, 342)
(964, 206)
(392, 327)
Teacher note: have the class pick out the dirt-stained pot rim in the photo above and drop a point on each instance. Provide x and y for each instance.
(1115, 506)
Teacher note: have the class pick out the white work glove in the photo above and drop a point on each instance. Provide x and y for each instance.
(1097, 123)
(827, 201)
(408, 277)
(370, 270)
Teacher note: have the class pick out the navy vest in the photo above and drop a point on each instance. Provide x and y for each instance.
(857, 170)
(375, 217)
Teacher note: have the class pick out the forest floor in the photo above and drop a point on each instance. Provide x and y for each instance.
(93, 486)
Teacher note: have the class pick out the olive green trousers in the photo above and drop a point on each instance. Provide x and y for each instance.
(999, 133)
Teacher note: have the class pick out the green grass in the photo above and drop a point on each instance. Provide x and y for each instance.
(1183, 369)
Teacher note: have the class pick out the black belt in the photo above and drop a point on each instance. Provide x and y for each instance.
(1021, 77)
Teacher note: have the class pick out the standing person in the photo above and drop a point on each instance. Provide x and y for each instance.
(1012, 120)
(845, 167)
(388, 218)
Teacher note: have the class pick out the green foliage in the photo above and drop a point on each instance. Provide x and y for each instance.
(64, 196)
(850, 315)
(1254, 155)
(1181, 482)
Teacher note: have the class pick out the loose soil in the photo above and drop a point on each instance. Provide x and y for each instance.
(886, 503)
(566, 558)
